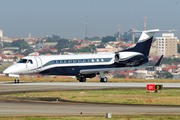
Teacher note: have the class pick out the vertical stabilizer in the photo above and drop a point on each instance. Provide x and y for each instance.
(144, 43)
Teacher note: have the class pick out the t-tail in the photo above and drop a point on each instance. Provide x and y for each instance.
(144, 43)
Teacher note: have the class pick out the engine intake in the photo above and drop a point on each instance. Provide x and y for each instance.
(117, 57)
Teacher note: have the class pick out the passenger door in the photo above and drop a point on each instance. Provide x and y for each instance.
(39, 64)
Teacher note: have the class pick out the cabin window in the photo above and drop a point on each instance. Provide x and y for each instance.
(75, 61)
(69, 61)
(89, 60)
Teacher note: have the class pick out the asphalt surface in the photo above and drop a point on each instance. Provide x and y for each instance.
(29, 107)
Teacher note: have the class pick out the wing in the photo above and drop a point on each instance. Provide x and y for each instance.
(90, 71)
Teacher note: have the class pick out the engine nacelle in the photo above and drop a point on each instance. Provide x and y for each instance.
(117, 57)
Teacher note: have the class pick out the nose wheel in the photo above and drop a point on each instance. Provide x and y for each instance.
(102, 77)
(16, 80)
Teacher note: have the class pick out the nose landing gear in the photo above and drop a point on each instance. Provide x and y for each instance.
(16, 80)
(102, 77)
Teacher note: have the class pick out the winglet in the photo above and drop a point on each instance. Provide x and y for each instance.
(158, 62)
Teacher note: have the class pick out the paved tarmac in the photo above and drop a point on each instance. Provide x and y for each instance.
(53, 86)
(12, 107)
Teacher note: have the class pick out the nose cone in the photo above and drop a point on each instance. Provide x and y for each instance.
(11, 69)
(7, 71)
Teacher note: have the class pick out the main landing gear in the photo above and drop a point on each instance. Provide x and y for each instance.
(81, 78)
(16, 80)
(102, 77)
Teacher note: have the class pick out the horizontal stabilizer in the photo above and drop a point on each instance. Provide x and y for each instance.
(159, 61)
(155, 31)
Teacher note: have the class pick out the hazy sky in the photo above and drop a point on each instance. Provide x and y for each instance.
(67, 18)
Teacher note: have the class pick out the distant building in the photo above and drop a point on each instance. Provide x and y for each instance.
(78, 46)
(153, 49)
(158, 68)
(8, 59)
(166, 45)
(1, 45)
(11, 48)
(107, 49)
(6, 39)
(18, 57)
(176, 77)
(38, 46)
(85, 43)
(29, 35)
(144, 74)
(7, 52)
(1, 33)
(34, 54)
(48, 44)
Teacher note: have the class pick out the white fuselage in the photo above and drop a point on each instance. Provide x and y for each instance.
(38, 64)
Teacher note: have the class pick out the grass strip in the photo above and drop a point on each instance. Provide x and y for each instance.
(124, 96)
(130, 117)
(50, 79)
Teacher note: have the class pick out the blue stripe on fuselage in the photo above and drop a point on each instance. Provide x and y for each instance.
(75, 70)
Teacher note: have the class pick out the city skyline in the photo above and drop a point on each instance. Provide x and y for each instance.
(67, 18)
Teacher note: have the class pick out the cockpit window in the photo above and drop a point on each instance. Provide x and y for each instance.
(22, 61)
(30, 61)
(26, 61)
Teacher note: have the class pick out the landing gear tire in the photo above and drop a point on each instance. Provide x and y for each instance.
(82, 79)
(103, 79)
(16, 80)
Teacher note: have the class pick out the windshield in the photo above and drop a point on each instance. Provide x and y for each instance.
(22, 61)
(30, 61)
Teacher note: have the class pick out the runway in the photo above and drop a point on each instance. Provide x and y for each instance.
(54, 86)
(32, 108)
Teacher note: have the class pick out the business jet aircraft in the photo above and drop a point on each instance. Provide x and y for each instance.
(88, 65)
